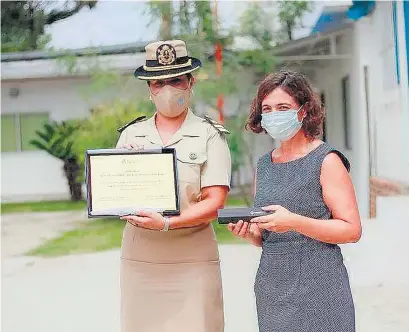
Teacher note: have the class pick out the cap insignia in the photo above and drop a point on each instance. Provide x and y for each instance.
(166, 54)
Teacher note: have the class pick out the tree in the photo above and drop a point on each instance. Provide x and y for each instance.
(162, 10)
(99, 130)
(291, 13)
(256, 24)
(23, 22)
(57, 139)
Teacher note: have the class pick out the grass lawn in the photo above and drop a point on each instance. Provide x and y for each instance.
(53, 206)
(95, 235)
(42, 206)
(102, 234)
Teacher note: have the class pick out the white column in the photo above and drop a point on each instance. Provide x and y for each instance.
(360, 140)
(404, 84)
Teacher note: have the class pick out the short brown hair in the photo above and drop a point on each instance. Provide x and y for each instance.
(298, 87)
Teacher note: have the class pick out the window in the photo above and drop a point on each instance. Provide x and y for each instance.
(346, 112)
(29, 124)
(17, 130)
(8, 133)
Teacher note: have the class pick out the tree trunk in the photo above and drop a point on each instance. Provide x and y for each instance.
(71, 170)
(33, 35)
(184, 17)
(165, 30)
(290, 26)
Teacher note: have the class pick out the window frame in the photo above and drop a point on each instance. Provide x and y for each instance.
(17, 122)
(346, 110)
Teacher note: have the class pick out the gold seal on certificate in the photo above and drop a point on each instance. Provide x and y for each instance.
(121, 182)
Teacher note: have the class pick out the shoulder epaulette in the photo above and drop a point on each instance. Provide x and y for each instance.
(139, 119)
(216, 125)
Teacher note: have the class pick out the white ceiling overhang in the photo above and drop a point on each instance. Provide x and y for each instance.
(318, 47)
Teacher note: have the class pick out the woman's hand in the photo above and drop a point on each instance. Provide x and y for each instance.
(246, 231)
(146, 219)
(280, 221)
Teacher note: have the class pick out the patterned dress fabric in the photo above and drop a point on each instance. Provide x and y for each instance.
(301, 284)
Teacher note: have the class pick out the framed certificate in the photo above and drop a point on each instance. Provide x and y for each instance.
(121, 182)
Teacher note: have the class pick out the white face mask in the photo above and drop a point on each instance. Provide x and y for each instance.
(171, 101)
(281, 125)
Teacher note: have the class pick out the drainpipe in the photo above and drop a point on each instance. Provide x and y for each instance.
(403, 75)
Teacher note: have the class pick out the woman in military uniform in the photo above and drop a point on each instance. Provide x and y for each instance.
(170, 272)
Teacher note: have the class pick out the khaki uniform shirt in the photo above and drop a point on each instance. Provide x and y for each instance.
(203, 160)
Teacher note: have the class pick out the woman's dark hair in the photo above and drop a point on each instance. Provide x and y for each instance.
(188, 75)
(298, 87)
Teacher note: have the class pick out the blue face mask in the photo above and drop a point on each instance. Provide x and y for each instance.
(281, 125)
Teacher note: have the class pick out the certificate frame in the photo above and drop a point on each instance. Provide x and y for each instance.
(126, 152)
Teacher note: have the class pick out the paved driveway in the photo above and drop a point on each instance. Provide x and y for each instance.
(21, 232)
(81, 293)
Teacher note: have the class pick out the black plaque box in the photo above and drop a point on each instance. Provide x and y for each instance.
(233, 215)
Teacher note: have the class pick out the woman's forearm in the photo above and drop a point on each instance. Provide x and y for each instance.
(202, 212)
(335, 231)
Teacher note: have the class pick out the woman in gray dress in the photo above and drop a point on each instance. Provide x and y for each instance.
(301, 284)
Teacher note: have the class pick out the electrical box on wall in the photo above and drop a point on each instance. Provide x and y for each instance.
(14, 92)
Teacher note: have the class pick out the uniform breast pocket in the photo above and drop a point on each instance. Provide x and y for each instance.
(189, 165)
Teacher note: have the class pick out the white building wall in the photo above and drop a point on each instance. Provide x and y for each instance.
(374, 41)
(32, 175)
(377, 135)
(329, 80)
(60, 97)
(360, 121)
(36, 175)
(388, 115)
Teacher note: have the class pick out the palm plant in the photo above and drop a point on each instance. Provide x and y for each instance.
(57, 140)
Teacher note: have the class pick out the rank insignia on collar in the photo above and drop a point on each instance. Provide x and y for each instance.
(139, 119)
(216, 125)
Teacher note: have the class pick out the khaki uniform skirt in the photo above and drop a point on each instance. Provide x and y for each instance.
(170, 281)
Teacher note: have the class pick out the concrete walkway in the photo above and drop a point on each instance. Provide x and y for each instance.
(81, 293)
(21, 232)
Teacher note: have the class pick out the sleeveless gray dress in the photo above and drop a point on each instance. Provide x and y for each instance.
(301, 284)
